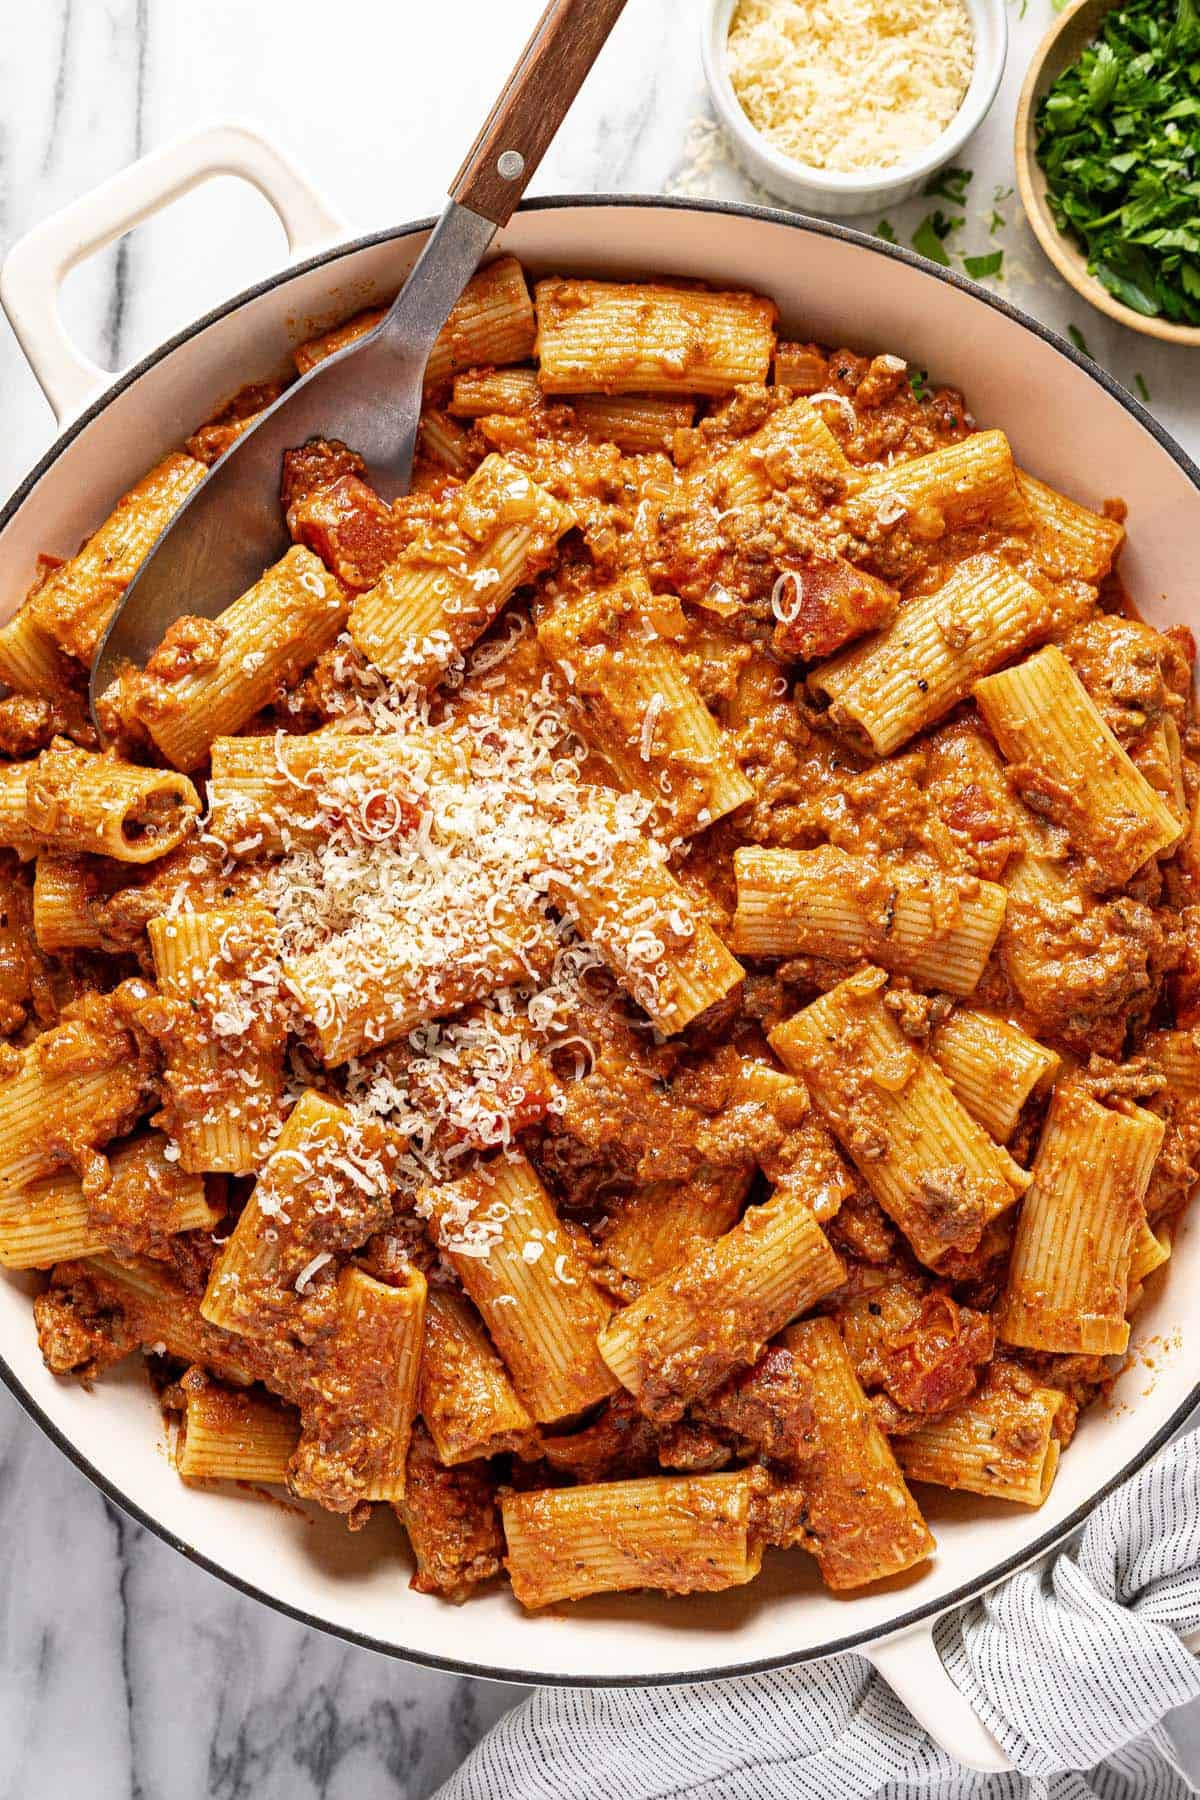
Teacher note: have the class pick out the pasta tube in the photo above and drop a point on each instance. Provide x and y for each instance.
(931, 1167)
(78, 1086)
(79, 801)
(1046, 722)
(659, 1225)
(145, 1201)
(478, 392)
(938, 930)
(326, 1186)
(466, 1398)
(638, 424)
(206, 679)
(993, 1066)
(74, 606)
(278, 792)
(966, 485)
(1069, 1272)
(490, 322)
(638, 707)
(615, 885)
(608, 337)
(231, 1436)
(431, 605)
(692, 1326)
(224, 1039)
(906, 677)
(860, 1521)
(1002, 1443)
(30, 660)
(684, 1534)
(794, 444)
(1071, 540)
(520, 1266)
(358, 1408)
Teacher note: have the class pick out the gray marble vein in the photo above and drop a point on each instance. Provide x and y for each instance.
(126, 1673)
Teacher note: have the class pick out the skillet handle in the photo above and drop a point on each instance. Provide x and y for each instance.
(912, 1668)
(37, 264)
(533, 103)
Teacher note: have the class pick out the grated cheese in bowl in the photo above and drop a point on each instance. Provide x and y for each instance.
(850, 85)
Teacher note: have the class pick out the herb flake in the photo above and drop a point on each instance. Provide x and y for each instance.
(950, 184)
(931, 234)
(980, 267)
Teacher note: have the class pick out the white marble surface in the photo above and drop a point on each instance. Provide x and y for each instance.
(125, 1674)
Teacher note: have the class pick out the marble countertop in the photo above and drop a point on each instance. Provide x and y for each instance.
(124, 1672)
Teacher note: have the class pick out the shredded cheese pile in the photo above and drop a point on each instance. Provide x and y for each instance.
(464, 840)
(850, 84)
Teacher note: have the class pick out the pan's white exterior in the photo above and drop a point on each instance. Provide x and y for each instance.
(1065, 426)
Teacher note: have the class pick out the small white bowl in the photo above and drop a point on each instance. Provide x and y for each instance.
(863, 190)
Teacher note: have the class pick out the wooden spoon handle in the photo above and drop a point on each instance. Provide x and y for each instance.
(533, 104)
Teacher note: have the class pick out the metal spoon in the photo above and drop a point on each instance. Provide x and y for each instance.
(369, 394)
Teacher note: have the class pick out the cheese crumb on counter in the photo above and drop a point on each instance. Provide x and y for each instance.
(850, 84)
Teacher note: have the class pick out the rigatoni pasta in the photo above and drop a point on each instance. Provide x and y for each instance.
(73, 606)
(1004, 1443)
(694, 1325)
(612, 337)
(689, 1534)
(885, 690)
(490, 322)
(357, 1413)
(1070, 763)
(1069, 1274)
(850, 1473)
(79, 802)
(531, 1286)
(467, 1398)
(823, 902)
(223, 1040)
(638, 707)
(227, 1435)
(432, 604)
(993, 1066)
(932, 1168)
(194, 691)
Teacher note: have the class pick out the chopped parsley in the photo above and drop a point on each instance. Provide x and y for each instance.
(931, 234)
(887, 231)
(950, 184)
(1118, 136)
(918, 381)
(980, 267)
(1143, 390)
(1077, 338)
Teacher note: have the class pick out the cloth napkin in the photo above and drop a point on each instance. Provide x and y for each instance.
(1072, 1663)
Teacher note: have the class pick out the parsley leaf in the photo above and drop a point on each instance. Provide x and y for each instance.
(918, 380)
(950, 184)
(1142, 389)
(930, 235)
(887, 231)
(1077, 338)
(980, 267)
(1118, 137)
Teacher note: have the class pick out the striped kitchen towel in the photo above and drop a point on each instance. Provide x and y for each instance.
(1071, 1663)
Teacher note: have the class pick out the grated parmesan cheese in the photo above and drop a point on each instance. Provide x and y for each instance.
(859, 84)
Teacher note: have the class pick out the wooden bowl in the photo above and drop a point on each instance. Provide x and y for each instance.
(1061, 46)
